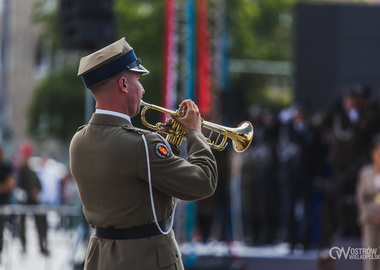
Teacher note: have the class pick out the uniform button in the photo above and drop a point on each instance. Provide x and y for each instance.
(176, 254)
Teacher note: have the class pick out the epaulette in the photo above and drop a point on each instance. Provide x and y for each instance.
(164, 143)
(81, 127)
(146, 132)
(137, 130)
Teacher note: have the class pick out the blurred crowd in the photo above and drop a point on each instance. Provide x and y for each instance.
(297, 182)
(298, 179)
(29, 182)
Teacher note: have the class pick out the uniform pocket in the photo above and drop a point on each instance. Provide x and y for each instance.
(169, 255)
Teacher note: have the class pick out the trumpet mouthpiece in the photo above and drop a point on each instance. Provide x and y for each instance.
(143, 103)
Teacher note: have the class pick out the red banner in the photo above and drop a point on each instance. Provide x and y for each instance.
(204, 93)
(168, 98)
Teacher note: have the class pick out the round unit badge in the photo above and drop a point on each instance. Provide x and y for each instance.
(162, 150)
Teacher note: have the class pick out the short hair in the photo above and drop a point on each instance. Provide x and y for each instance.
(103, 85)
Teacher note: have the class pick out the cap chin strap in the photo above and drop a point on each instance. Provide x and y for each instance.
(151, 192)
(134, 63)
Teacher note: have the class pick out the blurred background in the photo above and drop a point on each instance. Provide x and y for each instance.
(305, 73)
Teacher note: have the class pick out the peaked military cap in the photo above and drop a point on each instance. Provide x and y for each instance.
(108, 62)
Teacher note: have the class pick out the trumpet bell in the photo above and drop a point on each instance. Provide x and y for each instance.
(241, 136)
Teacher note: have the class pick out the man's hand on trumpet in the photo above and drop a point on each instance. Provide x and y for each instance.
(192, 118)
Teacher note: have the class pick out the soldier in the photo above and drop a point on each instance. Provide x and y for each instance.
(127, 177)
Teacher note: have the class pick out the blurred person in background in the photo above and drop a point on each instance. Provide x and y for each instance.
(372, 120)
(50, 174)
(30, 183)
(7, 184)
(368, 203)
(301, 151)
(343, 127)
(260, 200)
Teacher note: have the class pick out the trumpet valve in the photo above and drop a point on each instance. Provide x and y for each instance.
(177, 135)
(180, 111)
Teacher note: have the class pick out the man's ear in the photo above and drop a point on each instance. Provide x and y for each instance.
(123, 84)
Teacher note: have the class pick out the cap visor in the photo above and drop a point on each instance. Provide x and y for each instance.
(140, 69)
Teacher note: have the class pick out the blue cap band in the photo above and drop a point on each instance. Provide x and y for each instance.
(108, 71)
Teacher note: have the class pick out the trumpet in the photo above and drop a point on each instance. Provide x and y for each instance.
(241, 136)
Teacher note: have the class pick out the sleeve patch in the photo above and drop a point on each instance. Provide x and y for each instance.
(162, 150)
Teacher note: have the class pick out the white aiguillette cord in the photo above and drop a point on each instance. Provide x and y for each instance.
(151, 192)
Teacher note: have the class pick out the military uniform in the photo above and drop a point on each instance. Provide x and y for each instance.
(127, 177)
(109, 164)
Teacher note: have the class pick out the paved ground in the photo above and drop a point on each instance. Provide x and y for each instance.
(196, 256)
(219, 256)
(61, 244)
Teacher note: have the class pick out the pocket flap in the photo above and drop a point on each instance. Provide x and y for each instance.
(167, 255)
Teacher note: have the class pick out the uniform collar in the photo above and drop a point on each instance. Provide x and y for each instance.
(110, 120)
(100, 111)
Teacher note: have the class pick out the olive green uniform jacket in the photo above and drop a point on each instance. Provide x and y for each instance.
(108, 162)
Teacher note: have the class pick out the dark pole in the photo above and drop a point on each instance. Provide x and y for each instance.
(5, 129)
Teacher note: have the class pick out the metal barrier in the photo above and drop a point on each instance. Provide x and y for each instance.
(67, 234)
(20, 209)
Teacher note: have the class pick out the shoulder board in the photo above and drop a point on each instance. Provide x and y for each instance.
(137, 130)
(81, 127)
(163, 150)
